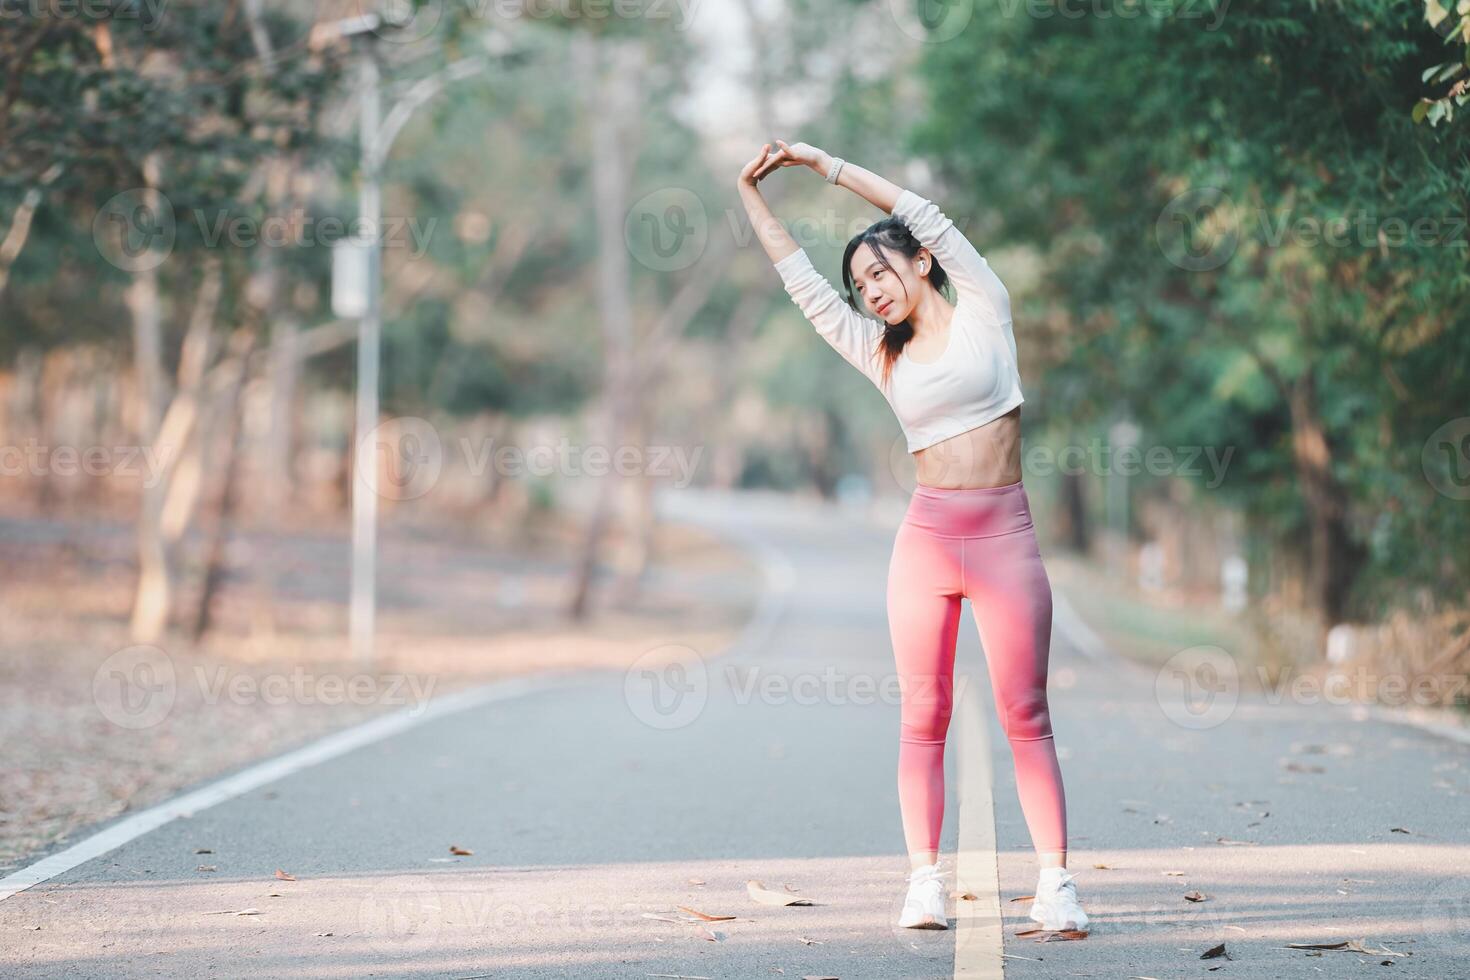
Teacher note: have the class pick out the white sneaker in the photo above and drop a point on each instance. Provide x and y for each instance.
(924, 906)
(1055, 906)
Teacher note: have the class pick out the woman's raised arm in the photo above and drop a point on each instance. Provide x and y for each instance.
(774, 238)
(973, 278)
(847, 331)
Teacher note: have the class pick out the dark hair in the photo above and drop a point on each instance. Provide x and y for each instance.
(880, 236)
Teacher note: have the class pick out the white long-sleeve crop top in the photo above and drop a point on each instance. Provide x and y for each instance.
(975, 380)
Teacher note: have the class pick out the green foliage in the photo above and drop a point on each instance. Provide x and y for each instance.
(1224, 197)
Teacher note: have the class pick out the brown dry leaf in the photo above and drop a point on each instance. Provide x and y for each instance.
(1176, 874)
(462, 851)
(1348, 946)
(1196, 897)
(1215, 952)
(1298, 767)
(969, 897)
(696, 881)
(1103, 867)
(284, 876)
(1024, 898)
(704, 915)
(765, 896)
(1052, 936)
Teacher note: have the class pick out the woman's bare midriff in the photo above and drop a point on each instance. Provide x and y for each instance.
(987, 456)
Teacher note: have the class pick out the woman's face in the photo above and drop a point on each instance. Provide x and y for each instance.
(889, 294)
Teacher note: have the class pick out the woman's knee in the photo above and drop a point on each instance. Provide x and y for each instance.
(928, 705)
(1028, 715)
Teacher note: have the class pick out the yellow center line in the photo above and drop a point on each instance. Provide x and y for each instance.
(979, 940)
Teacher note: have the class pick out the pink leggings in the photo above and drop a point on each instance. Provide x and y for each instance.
(979, 544)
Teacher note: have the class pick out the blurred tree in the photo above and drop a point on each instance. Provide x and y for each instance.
(1226, 200)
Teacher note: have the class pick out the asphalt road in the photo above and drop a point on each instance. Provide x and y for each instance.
(590, 801)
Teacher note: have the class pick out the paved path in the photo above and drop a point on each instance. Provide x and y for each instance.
(591, 800)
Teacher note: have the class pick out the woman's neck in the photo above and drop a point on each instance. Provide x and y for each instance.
(931, 315)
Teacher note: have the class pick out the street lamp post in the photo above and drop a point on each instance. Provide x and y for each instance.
(363, 608)
(357, 289)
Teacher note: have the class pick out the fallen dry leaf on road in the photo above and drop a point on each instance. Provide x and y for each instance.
(765, 896)
(1298, 767)
(704, 915)
(1052, 935)
(1215, 952)
(456, 849)
(284, 876)
(1237, 843)
(1349, 946)
(1196, 897)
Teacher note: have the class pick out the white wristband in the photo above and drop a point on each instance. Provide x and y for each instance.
(834, 169)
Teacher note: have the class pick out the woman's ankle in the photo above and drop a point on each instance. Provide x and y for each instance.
(1052, 859)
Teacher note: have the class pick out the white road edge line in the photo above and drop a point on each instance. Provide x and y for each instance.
(776, 571)
(979, 943)
(329, 747)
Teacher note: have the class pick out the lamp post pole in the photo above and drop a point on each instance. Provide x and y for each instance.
(362, 610)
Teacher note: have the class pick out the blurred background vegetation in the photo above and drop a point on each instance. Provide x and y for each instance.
(1234, 234)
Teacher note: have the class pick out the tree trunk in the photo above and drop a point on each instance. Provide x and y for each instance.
(611, 102)
(1074, 511)
(217, 533)
(1333, 556)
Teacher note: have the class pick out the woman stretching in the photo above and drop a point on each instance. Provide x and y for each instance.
(949, 373)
